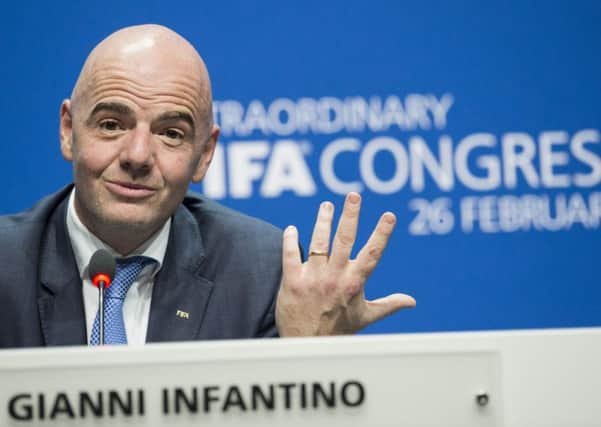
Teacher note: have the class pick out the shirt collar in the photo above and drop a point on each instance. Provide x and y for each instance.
(85, 243)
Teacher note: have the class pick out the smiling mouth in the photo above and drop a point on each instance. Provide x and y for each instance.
(129, 190)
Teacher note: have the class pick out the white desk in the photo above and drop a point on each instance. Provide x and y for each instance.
(530, 378)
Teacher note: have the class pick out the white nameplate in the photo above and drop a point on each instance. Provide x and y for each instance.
(362, 381)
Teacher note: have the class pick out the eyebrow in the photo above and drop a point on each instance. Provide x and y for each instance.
(115, 107)
(177, 115)
(119, 108)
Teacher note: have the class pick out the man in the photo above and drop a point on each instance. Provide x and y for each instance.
(138, 129)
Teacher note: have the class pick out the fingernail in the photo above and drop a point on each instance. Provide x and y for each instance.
(354, 198)
(291, 229)
(389, 218)
(326, 206)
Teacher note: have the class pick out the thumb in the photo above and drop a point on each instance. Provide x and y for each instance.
(379, 308)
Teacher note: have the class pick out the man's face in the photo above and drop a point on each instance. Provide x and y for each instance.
(137, 135)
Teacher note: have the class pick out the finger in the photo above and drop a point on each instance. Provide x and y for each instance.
(291, 256)
(346, 231)
(382, 307)
(370, 254)
(320, 240)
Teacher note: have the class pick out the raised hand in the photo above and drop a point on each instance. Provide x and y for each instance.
(325, 295)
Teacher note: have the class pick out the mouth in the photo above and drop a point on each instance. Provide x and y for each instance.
(130, 190)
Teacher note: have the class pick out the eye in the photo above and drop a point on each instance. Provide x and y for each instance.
(172, 136)
(109, 125)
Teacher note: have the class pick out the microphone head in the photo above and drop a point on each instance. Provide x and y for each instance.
(102, 268)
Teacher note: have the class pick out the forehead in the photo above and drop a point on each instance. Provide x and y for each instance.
(148, 85)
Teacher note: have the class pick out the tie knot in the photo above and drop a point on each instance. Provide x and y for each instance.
(126, 273)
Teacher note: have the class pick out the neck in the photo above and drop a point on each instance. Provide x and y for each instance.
(123, 238)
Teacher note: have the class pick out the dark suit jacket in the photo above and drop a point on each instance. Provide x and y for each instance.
(221, 267)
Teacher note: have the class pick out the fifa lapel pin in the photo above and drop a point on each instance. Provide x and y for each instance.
(182, 314)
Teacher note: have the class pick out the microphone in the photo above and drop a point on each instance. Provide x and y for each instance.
(101, 271)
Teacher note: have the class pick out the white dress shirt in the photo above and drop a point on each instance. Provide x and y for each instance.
(136, 307)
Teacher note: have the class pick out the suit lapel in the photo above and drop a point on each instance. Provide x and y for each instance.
(60, 301)
(180, 294)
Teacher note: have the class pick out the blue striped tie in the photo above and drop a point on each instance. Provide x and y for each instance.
(114, 326)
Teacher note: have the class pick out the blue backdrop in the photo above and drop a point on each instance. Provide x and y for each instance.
(478, 125)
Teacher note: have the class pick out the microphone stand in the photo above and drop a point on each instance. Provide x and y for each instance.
(101, 313)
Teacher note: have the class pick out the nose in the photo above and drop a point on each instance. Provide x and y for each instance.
(137, 153)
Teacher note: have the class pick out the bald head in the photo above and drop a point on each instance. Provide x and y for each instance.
(152, 54)
(138, 130)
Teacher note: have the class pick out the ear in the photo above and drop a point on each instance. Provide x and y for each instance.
(66, 130)
(207, 155)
